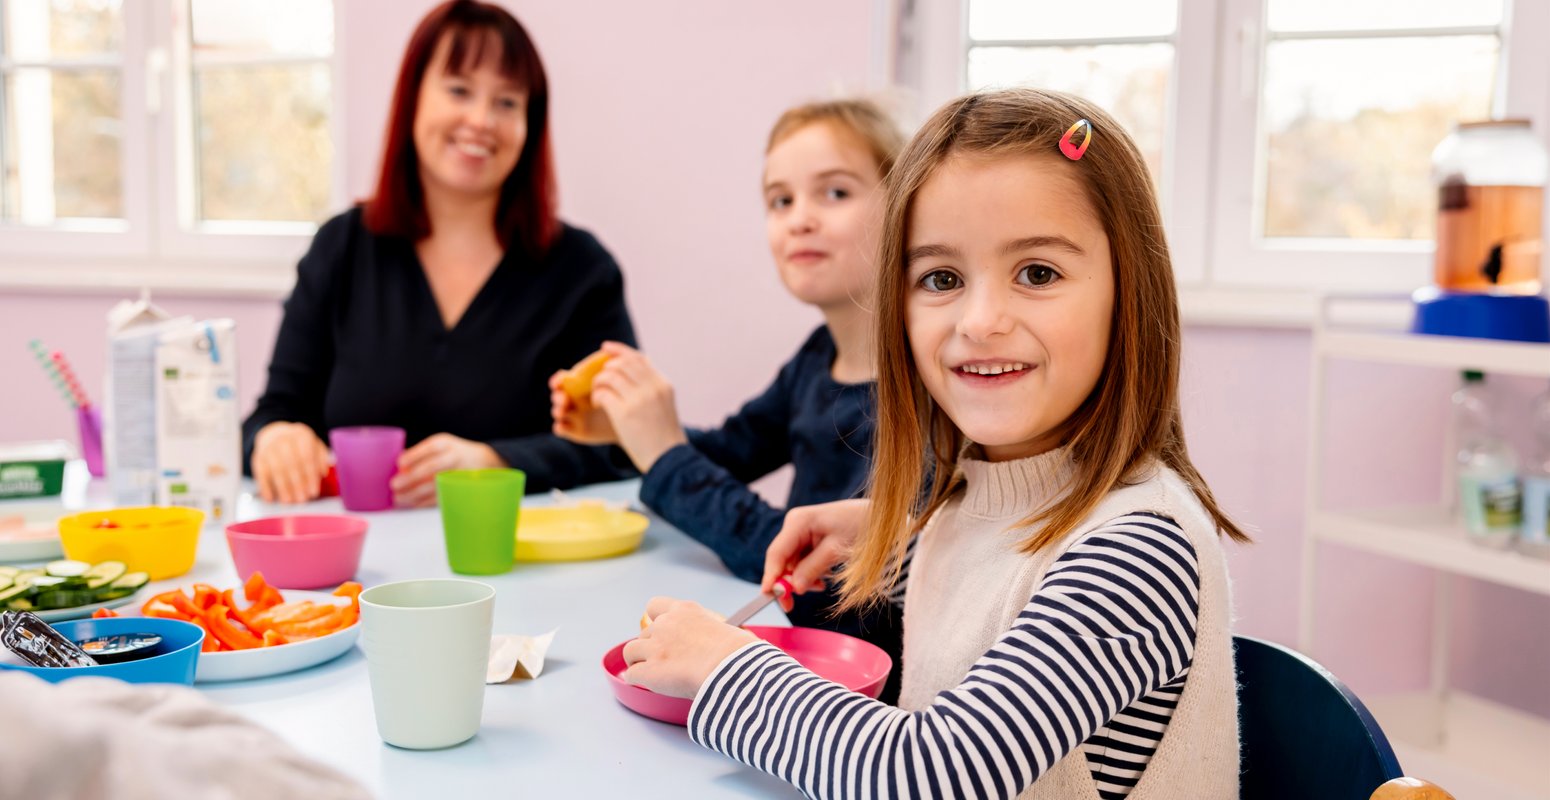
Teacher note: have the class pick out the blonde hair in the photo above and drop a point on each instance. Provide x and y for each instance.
(1129, 421)
(862, 119)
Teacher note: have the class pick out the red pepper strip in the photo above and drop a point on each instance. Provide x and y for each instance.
(352, 613)
(254, 588)
(103, 613)
(313, 628)
(272, 638)
(219, 624)
(209, 645)
(293, 613)
(260, 593)
(157, 608)
(206, 595)
(247, 618)
(178, 600)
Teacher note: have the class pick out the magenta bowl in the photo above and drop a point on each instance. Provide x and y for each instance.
(855, 664)
(313, 551)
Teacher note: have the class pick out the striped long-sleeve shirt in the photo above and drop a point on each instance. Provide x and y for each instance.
(1096, 659)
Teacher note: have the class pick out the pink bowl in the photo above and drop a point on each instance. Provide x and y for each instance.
(298, 552)
(857, 665)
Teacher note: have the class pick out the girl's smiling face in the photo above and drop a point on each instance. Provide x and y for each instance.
(1010, 298)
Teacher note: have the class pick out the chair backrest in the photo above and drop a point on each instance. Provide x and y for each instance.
(1304, 734)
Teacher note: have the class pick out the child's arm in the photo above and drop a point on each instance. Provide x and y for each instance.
(702, 487)
(1113, 620)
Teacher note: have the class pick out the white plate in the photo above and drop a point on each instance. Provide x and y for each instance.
(62, 614)
(241, 665)
(31, 550)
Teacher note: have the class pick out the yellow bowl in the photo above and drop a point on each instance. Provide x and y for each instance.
(157, 540)
(577, 533)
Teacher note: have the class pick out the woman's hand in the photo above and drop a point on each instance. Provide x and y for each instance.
(639, 402)
(581, 422)
(415, 484)
(812, 542)
(680, 648)
(289, 462)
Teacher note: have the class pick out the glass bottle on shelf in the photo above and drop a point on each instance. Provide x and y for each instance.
(1487, 468)
(1535, 537)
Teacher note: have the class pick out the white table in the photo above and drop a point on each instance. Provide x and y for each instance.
(562, 735)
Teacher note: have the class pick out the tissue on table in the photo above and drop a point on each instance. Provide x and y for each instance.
(517, 656)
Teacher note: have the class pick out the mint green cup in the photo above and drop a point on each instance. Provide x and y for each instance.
(479, 518)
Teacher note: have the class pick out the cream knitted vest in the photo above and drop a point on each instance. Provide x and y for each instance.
(968, 582)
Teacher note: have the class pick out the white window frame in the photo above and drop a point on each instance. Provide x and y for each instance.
(161, 246)
(1335, 265)
(1225, 276)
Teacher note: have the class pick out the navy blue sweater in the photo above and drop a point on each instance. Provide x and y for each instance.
(806, 419)
(363, 343)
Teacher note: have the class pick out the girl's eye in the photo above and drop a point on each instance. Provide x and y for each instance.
(458, 90)
(779, 202)
(939, 281)
(1038, 275)
(509, 103)
(836, 193)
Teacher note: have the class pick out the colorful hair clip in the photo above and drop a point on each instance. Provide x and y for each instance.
(1073, 151)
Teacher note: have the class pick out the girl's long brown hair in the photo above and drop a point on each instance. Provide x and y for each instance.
(1130, 420)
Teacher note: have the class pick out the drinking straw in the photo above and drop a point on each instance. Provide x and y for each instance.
(51, 370)
(77, 394)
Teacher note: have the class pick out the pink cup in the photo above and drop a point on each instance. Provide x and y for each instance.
(308, 551)
(367, 458)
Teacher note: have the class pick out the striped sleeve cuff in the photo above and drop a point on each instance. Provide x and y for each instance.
(736, 674)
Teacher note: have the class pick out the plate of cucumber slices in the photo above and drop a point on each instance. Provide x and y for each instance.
(67, 589)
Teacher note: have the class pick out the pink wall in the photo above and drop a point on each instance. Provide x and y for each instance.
(659, 124)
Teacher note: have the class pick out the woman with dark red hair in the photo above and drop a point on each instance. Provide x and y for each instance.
(444, 302)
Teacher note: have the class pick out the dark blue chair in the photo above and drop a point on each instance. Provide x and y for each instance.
(1303, 734)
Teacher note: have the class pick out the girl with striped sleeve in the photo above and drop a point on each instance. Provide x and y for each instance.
(1066, 610)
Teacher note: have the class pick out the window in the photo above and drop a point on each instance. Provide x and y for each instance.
(1345, 146)
(1119, 54)
(1292, 139)
(60, 82)
(272, 57)
(185, 142)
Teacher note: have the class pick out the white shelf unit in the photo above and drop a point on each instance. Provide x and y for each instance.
(1468, 745)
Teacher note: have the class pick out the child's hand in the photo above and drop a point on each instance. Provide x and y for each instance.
(639, 402)
(679, 649)
(580, 422)
(812, 541)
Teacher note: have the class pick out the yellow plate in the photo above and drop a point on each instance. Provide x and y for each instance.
(577, 533)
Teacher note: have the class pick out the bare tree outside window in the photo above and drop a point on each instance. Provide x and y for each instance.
(60, 120)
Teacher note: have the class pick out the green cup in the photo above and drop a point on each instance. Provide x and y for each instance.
(479, 518)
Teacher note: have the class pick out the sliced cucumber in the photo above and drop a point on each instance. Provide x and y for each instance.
(20, 604)
(63, 599)
(105, 573)
(133, 581)
(7, 595)
(9, 572)
(43, 582)
(66, 568)
(26, 577)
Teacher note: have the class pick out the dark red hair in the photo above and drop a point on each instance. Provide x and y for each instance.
(527, 216)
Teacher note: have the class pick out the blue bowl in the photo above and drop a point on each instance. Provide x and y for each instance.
(171, 661)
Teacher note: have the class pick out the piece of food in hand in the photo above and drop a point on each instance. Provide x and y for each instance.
(645, 619)
(577, 381)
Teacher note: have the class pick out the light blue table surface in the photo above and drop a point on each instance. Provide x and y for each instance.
(562, 735)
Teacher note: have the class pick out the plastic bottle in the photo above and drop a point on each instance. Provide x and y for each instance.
(1535, 537)
(1488, 491)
